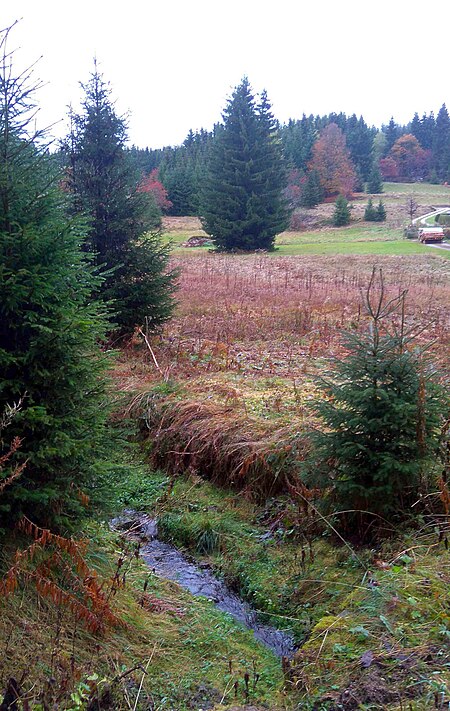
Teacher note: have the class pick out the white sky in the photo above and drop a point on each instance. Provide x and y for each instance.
(173, 63)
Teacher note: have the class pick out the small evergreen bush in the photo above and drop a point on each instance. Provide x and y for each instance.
(370, 213)
(341, 214)
(380, 212)
(382, 410)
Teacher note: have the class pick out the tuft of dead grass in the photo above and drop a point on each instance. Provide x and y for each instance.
(221, 446)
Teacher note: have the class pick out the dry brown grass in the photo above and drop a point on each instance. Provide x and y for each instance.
(249, 338)
(268, 315)
(223, 446)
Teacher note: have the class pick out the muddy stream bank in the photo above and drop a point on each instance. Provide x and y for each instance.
(168, 562)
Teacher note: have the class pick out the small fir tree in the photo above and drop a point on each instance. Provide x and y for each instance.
(106, 187)
(243, 203)
(341, 214)
(383, 408)
(380, 212)
(375, 181)
(312, 193)
(370, 213)
(49, 324)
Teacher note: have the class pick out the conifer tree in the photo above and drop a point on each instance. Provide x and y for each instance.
(383, 410)
(312, 192)
(392, 132)
(380, 212)
(243, 206)
(341, 214)
(375, 182)
(441, 144)
(49, 324)
(104, 185)
(359, 139)
(370, 212)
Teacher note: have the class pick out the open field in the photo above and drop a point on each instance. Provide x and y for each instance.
(238, 372)
(229, 401)
(354, 239)
(253, 332)
(318, 237)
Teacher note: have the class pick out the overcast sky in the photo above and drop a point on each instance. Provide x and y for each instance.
(172, 64)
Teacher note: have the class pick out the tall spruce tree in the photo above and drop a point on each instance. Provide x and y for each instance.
(359, 138)
(441, 144)
(104, 185)
(49, 324)
(243, 206)
(392, 132)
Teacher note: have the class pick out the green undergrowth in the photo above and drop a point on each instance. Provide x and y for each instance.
(290, 576)
(373, 624)
(178, 650)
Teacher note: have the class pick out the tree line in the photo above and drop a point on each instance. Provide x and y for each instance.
(419, 150)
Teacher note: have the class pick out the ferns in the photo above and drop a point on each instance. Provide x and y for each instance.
(52, 558)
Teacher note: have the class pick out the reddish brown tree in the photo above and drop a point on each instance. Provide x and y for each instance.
(331, 160)
(411, 159)
(389, 169)
(152, 184)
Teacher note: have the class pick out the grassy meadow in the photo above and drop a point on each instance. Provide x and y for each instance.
(317, 236)
(221, 400)
(224, 394)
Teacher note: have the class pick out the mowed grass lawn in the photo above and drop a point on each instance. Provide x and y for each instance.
(394, 248)
(352, 240)
(345, 240)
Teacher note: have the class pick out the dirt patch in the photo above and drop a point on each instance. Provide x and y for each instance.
(182, 224)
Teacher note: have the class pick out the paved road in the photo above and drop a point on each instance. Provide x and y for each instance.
(442, 245)
(423, 220)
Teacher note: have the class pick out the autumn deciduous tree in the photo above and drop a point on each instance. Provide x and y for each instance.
(411, 207)
(152, 185)
(410, 157)
(389, 169)
(332, 162)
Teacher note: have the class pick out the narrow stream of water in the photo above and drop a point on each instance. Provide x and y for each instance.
(168, 562)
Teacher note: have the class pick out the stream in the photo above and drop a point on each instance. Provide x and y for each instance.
(168, 562)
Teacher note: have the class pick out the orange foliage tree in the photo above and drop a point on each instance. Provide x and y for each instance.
(411, 159)
(331, 160)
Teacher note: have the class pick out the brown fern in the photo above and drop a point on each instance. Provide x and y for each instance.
(60, 557)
